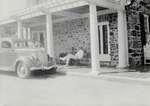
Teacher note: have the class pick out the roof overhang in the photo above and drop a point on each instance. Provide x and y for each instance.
(111, 4)
(52, 6)
(57, 5)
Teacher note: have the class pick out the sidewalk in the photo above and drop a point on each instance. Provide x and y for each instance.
(111, 74)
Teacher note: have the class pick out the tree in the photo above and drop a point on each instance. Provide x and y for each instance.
(138, 5)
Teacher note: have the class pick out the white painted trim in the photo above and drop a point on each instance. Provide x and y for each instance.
(49, 35)
(6, 21)
(24, 33)
(105, 57)
(68, 6)
(35, 11)
(146, 16)
(107, 4)
(94, 39)
(101, 38)
(109, 40)
(19, 30)
(29, 33)
(68, 14)
(103, 12)
(122, 40)
(44, 10)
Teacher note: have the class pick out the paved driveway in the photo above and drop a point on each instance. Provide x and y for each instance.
(60, 89)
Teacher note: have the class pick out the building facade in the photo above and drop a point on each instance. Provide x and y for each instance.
(110, 32)
(138, 22)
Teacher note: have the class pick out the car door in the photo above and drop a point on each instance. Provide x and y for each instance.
(7, 55)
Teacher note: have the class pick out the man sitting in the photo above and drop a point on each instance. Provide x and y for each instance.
(68, 57)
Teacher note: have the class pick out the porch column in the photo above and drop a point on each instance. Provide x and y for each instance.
(122, 39)
(49, 29)
(20, 29)
(29, 33)
(24, 33)
(94, 39)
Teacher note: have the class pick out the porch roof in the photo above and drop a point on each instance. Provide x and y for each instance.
(58, 5)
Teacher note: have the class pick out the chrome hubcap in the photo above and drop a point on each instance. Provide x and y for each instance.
(22, 70)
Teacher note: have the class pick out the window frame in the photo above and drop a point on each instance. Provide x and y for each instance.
(147, 32)
(148, 25)
(37, 33)
(103, 57)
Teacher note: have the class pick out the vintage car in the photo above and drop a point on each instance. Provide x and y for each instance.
(23, 57)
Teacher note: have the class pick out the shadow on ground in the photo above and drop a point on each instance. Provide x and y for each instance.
(144, 68)
(8, 73)
(39, 74)
(141, 69)
(46, 74)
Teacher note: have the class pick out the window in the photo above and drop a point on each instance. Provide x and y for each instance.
(147, 28)
(103, 30)
(146, 24)
(103, 34)
(38, 36)
(6, 44)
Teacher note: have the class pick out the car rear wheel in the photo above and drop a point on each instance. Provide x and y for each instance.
(23, 70)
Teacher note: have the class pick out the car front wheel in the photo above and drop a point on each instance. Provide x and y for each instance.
(23, 70)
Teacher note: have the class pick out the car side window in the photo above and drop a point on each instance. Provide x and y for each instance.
(5, 44)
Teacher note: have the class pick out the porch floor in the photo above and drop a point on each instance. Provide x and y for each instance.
(142, 72)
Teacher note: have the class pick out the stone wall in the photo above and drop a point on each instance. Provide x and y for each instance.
(134, 39)
(75, 33)
(71, 34)
(135, 36)
(112, 19)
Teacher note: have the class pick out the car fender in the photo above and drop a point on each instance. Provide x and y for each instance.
(25, 59)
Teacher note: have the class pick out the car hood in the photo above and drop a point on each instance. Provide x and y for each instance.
(35, 53)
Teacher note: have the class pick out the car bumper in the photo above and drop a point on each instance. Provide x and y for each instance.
(43, 68)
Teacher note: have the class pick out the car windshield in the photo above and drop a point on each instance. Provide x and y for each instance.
(27, 44)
